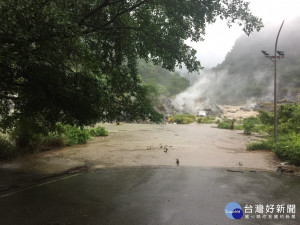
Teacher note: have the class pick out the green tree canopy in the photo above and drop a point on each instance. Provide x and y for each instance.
(75, 61)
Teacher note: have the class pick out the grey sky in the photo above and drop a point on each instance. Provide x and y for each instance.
(219, 39)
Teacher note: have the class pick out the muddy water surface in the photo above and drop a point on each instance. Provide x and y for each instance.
(140, 145)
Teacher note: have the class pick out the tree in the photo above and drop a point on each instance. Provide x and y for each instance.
(75, 61)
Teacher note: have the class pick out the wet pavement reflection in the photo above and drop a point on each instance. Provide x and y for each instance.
(150, 195)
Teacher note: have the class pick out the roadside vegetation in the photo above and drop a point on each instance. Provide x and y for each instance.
(287, 146)
(17, 143)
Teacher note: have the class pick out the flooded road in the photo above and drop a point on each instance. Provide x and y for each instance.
(131, 179)
(140, 145)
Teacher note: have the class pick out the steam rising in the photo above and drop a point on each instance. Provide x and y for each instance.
(246, 76)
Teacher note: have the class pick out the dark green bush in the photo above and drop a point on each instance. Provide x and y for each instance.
(27, 135)
(286, 112)
(53, 140)
(266, 117)
(7, 149)
(249, 124)
(98, 131)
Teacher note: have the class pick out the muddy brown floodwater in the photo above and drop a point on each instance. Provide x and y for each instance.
(140, 145)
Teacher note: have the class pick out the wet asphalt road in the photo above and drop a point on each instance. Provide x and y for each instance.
(150, 195)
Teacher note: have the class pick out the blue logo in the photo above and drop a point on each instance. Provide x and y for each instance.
(233, 211)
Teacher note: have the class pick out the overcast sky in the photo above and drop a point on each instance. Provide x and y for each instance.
(219, 39)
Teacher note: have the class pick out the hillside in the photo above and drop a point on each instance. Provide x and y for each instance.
(246, 73)
(162, 85)
(167, 83)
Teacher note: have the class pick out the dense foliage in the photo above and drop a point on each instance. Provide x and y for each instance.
(165, 83)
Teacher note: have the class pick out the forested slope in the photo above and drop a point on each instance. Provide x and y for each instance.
(162, 85)
(165, 82)
(246, 73)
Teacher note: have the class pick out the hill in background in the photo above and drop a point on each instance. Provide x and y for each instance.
(246, 73)
(162, 84)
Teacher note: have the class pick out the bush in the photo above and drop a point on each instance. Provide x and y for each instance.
(226, 124)
(53, 140)
(74, 135)
(27, 135)
(286, 112)
(206, 119)
(266, 117)
(249, 124)
(7, 149)
(182, 119)
(98, 131)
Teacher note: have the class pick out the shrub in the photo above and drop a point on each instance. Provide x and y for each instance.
(249, 124)
(98, 131)
(226, 124)
(206, 119)
(7, 149)
(286, 111)
(53, 140)
(266, 117)
(182, 119)
(74, 135)
(83, 136)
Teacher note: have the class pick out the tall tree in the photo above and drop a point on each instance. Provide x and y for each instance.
(75, 60)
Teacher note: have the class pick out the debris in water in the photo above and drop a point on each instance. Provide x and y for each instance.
(235, 171)
(284, 170)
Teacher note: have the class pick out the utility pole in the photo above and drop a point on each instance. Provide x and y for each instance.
(274, 60)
